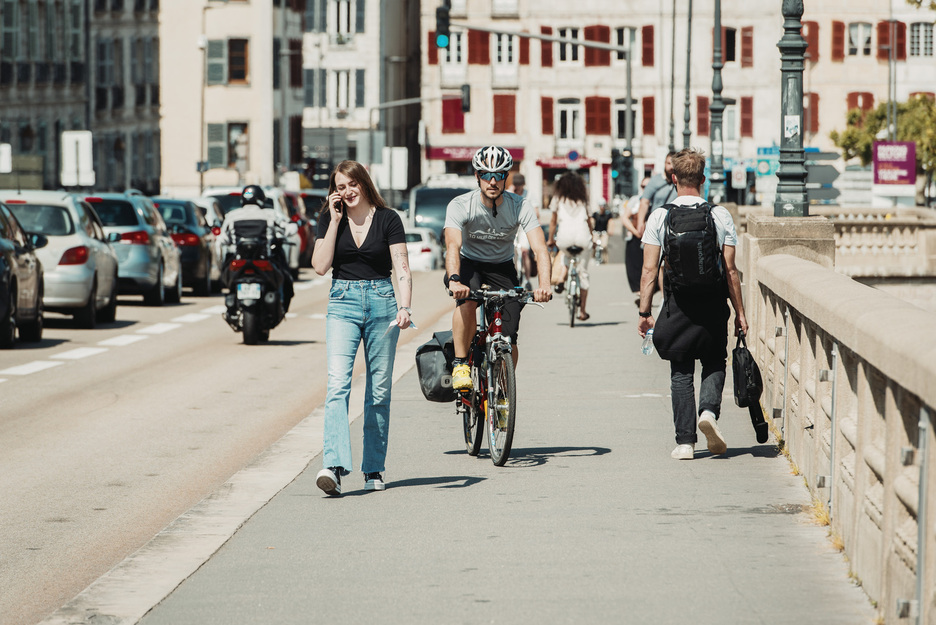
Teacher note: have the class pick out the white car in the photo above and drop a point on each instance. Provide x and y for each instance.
(423, 249)
(79, 262)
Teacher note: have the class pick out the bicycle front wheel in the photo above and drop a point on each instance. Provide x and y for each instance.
(473, 415)
(504, 411)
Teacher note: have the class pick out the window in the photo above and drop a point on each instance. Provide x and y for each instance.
(10, 32)
(504, 50)
(342, 94)
(597, 116)
(570, 118)
(453, 119)
(104, 67)
(237, 142)
(505, 113)
(730, 123)
(620, 109)
(568, 53)
(295, 63)
(51, 35)
(859, 39)
(811, 34)
(921, 39)
(237, 61)
(277, 55)
(75, 30)
(455, 53)
(349, 17)
(860, 100)
(316, 13)
(624, 37)
(811, 112)
(728, 44)
(32, 51)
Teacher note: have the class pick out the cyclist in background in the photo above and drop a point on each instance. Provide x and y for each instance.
(480, 227)
(601, 218)
(570, 216)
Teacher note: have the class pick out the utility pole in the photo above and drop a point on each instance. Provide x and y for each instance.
(672, 86)
(791, 188)
(717, 189)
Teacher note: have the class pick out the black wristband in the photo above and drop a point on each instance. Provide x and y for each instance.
(455, 278)
(644, 314)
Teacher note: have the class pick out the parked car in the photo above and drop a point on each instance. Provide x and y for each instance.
(193, 235)
(230, 198)
(297, 213)
(428, 201)
(80, 262)
(148, 259)
(20, 282)
(423, 249)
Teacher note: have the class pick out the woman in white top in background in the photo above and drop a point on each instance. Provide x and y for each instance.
(569, 206)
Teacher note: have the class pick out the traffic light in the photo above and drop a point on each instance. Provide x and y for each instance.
(615, 164)
(466, 98)
(442, 25)
(627, 172)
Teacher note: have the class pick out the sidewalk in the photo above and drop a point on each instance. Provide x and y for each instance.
(590, 521)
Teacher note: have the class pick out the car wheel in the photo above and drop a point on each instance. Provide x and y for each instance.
(8, 322)
(31, 332)
(86, 316)
(174, 295)
(156, 296)
(108, 314)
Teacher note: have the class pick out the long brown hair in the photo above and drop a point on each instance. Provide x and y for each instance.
(572, 187)
(356, 172)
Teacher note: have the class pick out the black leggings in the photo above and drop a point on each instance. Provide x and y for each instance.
(502, 276)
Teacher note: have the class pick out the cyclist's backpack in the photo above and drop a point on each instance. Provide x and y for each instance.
(434, 366)
(692, 259)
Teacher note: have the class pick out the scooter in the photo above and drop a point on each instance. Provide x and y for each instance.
(254, 301)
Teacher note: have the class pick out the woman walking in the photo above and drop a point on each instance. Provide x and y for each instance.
(569, 206)
(361, 241)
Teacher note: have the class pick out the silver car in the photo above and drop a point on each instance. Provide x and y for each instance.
(148, 259)
(80, 262)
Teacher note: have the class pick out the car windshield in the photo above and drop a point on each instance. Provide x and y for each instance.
(228, 201)
(115, 212)
(313, 203)
(173, 212)
(413, 237)
(43, 219)
(431, 203)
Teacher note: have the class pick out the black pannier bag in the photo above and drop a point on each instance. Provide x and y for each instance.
(434, 366)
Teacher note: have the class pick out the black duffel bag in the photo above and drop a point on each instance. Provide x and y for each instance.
(748, 386)
(434, 366)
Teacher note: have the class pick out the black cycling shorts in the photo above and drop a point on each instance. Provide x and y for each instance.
(502, 276)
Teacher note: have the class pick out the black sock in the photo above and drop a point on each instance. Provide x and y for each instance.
(459, 361)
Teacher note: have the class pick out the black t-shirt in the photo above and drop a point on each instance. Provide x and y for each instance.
(601, 221)
(371, 261)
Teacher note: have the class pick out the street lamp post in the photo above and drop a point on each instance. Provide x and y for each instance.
(687, 131)
(202, 165)
(717, 189)
(791, 188)
(672, 86)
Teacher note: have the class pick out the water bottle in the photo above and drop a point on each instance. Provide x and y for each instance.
(647, 347)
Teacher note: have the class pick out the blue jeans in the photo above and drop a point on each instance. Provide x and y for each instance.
(359, 310)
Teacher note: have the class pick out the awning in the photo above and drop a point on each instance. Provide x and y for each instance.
(561, 162)
(463, 153)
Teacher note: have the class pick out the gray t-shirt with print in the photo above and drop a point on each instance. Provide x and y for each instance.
(486, 238)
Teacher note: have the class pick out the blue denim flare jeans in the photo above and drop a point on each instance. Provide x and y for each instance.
(359, 310)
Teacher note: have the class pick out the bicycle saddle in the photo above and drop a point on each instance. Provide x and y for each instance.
(574, 250)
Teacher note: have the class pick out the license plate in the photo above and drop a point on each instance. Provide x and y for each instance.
(248, 290)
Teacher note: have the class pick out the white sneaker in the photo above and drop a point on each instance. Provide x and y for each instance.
(684, 452)
(329, 480)
(709, 427)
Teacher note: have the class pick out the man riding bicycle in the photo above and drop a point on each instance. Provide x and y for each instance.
(480, 227)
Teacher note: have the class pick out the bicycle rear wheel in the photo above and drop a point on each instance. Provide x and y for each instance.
(501, 423)
(572, 297)
(473, 415)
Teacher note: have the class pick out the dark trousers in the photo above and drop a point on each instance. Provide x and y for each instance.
(682, 389)
(633, 263)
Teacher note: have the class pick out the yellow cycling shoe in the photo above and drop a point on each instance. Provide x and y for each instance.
(461, 378)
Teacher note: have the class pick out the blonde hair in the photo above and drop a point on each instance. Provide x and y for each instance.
(689, 167)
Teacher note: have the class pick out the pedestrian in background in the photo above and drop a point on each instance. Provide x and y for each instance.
(361, 241)
(600, 219)
(633, 250)
(660, 190)
(693, 322)
(570, 226)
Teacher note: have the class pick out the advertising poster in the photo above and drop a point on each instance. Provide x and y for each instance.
(894, 162)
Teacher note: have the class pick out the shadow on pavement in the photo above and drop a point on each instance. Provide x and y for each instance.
(537, 456)
(442, 481)
(758, 451)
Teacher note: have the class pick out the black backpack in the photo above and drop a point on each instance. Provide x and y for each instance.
(434, 366)
(692, 259)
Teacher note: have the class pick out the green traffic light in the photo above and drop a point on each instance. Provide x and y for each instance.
(615, 173)
(442, 41)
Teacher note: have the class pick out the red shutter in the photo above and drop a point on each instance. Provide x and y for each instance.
(505, 113)
(838, 41)
(747, 116)
(811, 112)
(747, 46)
(867, 101)
(811, 34)
(603, 34)
(925, 94)
(901, 41)
(852, 101)
(597, 115)
(524, 50)
(604, 116)
(702, 116)
(589, 35)
(546, 50)
(432, 49)
(646, 50)
(724, 37)
(479, 47)
(648, 109)
(453, 120)
(883, 36)
(546, 109)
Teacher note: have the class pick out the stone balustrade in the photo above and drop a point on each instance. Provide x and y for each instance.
(850, 379)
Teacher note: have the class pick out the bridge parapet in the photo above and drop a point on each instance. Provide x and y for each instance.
(850, 377)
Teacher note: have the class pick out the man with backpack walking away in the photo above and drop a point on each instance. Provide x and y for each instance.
(697, 241)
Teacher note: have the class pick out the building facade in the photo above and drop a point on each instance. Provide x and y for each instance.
(43, 85)
(231, 108)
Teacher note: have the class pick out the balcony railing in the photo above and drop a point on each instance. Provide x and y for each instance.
(23, 73)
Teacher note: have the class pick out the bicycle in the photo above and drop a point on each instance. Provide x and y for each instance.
(599, 251)
(492, 397)
(573, 286)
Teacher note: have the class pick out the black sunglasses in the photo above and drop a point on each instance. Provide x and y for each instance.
(493, 175)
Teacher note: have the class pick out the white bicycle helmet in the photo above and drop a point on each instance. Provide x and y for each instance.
(492, 158)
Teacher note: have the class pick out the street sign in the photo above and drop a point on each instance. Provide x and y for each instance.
(739, 178)
(894, 162)
(77, 163)
(819, 183)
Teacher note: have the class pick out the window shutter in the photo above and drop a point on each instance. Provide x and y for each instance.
(603, 57)
(597, 116)
(901, 41)
(453, 120)
(309, 88)
(359, 88)
(432, 49)
(479, 47)
(925, 94)
(524, 50)
(589, 35)
(217, 146)
(216, 58)
(322, 89)
(852, 101)
(867, 101)
(546, 50)
(811, 112)
(647, 108)
(883, 36)
(546, 108)
(747, 116)
(505, 113)
(702, 116)
(811, 34)
(646, 51)
(590, 113)
(359, 16)
(747, 46)
(838, 41)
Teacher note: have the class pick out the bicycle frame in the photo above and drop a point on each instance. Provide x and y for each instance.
(487, 341)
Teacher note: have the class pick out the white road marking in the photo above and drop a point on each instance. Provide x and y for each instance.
(191, 318)
(159, 328)
(317, 316)
(214, 310)
(81, 352)
(31, 367)
(291, 315)
(123, 339)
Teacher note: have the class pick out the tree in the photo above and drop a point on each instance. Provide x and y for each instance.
(920, 3)
(916, 121)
